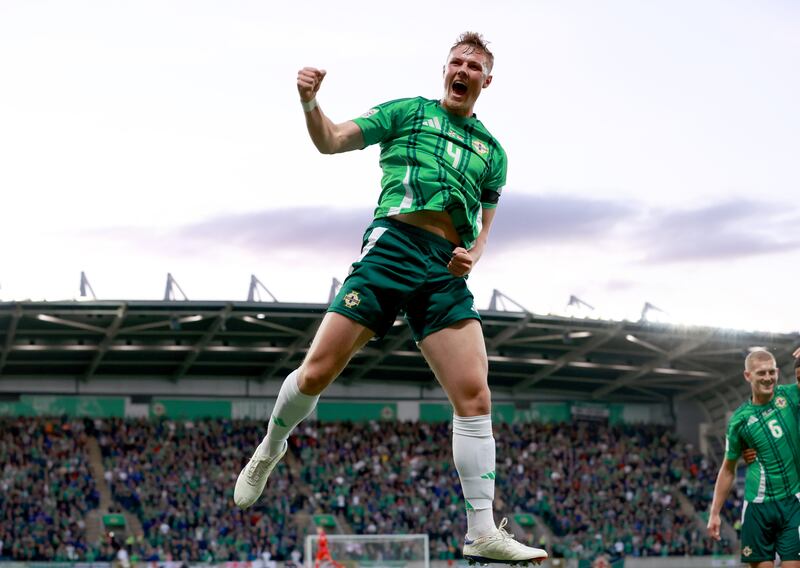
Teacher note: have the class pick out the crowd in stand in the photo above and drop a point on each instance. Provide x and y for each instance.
(697, 482)
(596, 487)
(622, 490)
(178, 478)
(46, 489)
(601, 487)
(396, 481)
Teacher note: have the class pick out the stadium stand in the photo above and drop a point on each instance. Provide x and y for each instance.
(597, 487)
(622, 490)
(46, 489)
(177, 477)
(600, 488)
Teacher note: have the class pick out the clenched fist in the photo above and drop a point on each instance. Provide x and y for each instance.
(461, 262)
(309, 80)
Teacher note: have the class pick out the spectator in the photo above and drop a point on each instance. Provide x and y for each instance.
(614, 490)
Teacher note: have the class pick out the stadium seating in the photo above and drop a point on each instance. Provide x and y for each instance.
(178, 478)
(624, 490)
(46, 489)
(597, 487)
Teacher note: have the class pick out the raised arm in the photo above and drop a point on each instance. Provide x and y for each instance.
(725, 480)
(329, 138)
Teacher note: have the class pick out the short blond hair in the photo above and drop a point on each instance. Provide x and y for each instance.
(757, 356)
(475, 41)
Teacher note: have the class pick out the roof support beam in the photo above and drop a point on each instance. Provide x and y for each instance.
(628, 378)
(599, 339)
(296, 345)
(201, 344)
(10, 333)
(111, 334)
(396, 342)
(271, 325)
(170, 321)
(509, 332)
(70, 323)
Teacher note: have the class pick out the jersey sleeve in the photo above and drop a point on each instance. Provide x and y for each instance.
(496, 180)
(733, 441)
(379, 122)
(791, 392)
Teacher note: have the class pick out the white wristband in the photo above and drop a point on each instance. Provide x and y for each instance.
(310, 105)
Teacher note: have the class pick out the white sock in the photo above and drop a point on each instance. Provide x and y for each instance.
(474, 457)
(480, 522)
(290, 409)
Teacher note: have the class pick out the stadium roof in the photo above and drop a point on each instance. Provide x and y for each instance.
(528, 353)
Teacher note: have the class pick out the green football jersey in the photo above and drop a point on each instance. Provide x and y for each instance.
(772, 430)
(436, 161)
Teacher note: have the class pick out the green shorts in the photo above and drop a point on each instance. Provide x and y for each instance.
(771, 527)
(404, 268)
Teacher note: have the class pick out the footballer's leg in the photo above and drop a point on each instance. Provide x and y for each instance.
(336, 341)
(788, 541)
(457, 356)
(758, 537)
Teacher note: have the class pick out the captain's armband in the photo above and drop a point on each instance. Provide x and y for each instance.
(490, 196)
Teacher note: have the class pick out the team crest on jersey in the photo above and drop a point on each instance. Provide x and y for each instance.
(747, 551)
(780, 402)
(351, 300)
(370, 112)
(480, 147)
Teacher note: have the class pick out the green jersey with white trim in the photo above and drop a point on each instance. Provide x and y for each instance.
(435, 161)
(772, 431)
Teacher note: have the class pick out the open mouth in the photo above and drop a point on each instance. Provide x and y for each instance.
(459, 88)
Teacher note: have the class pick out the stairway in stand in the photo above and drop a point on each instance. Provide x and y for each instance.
(94, 519)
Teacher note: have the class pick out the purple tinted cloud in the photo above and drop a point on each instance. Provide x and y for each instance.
(293, 229)
(522, 219)
(734, 229)
(532, 219)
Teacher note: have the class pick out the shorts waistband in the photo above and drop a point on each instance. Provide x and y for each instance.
(416, 233)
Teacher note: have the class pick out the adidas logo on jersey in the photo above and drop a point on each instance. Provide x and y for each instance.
(752, 420)
(433, 123)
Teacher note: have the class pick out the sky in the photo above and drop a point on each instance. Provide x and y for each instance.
(653, 149)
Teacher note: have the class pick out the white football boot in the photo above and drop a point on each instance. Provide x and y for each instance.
(500, 547)
(253, 477)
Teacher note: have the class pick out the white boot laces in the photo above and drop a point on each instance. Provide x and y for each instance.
(502, 534)
(255, 470)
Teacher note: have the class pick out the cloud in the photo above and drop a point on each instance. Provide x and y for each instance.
(532, 219)
(303, 228)
(723, 231)
(300, 229)
(730, 230)
(522, 219)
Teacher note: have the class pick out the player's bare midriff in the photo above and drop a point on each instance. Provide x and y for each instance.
(436, 222)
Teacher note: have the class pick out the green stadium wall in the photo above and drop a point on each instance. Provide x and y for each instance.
(72, 406)
(327, 411)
